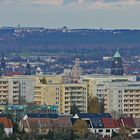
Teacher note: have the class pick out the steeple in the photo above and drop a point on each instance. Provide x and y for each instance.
(117, 54)
(117, 67)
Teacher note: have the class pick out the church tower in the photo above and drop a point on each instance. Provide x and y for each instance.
(2, 66)
(76, 70)
(117, 67)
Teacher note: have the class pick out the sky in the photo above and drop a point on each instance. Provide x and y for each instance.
(108, 14)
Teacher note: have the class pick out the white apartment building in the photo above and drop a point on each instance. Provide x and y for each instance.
(123, 99)
(26, 88)
(96, 84)
(16, 90)
(9, 91)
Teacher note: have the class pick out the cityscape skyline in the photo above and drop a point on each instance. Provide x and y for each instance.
(108, 14)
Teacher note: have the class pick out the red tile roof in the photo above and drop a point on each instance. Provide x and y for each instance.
(14, 73)
(129, 122)
(45, 123)
(108, 122)
(7, 122)
(55, 123)
(63, 122)
(137, 122)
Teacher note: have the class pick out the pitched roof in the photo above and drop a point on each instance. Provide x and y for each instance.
(128, 122)
(6, 122)
(108, 123)
(117, 55)
(65, 122)
(137, 122)
(62, 122)
(97, 123)
(93, 115)
(33, 122)
(45, 123)
(38, 115)
(14, 73)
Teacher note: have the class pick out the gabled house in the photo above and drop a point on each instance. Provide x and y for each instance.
(43, 123)
(7, 123)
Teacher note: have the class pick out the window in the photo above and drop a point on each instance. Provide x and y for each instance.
(100, 130)
(107, 130)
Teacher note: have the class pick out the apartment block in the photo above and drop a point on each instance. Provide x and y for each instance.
(73, 94)
(26, 88)
(123, 99)
(52, 91)
(9, 91)
(96, 84)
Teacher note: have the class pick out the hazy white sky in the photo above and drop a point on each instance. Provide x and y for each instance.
(71, 13)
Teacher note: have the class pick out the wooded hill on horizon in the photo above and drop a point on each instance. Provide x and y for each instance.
(98, 42)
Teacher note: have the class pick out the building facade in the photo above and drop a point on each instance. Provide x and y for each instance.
(53, 91)
(9, 91)
(123, 99)
(73, 94)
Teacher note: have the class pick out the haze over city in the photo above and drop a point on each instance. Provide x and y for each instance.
(108, 14)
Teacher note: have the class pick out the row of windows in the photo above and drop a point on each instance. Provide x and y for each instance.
(74, 88)
(3, 82)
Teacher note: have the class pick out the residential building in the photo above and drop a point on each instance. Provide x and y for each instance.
(73, 94)
(123, 99)
(104, 124)
(51, 90)
(16, 90)
(8, 126)
(26, 88)
(96, 84)
(42, 123)
(9, 91)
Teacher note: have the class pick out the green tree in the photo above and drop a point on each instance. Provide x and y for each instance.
(80, 129)
(2, 132)
(59, 134)
(93, 105)
(125, 133)
(74, 109)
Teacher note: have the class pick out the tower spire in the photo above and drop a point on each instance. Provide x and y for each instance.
(117, 67)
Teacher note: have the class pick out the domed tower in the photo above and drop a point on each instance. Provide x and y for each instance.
(117, 67)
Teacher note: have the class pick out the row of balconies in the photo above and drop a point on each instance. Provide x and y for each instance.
(131, 110)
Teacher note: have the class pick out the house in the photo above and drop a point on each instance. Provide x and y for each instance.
(105, 125)
(43, 123)
(99, 123)
(8, 126)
